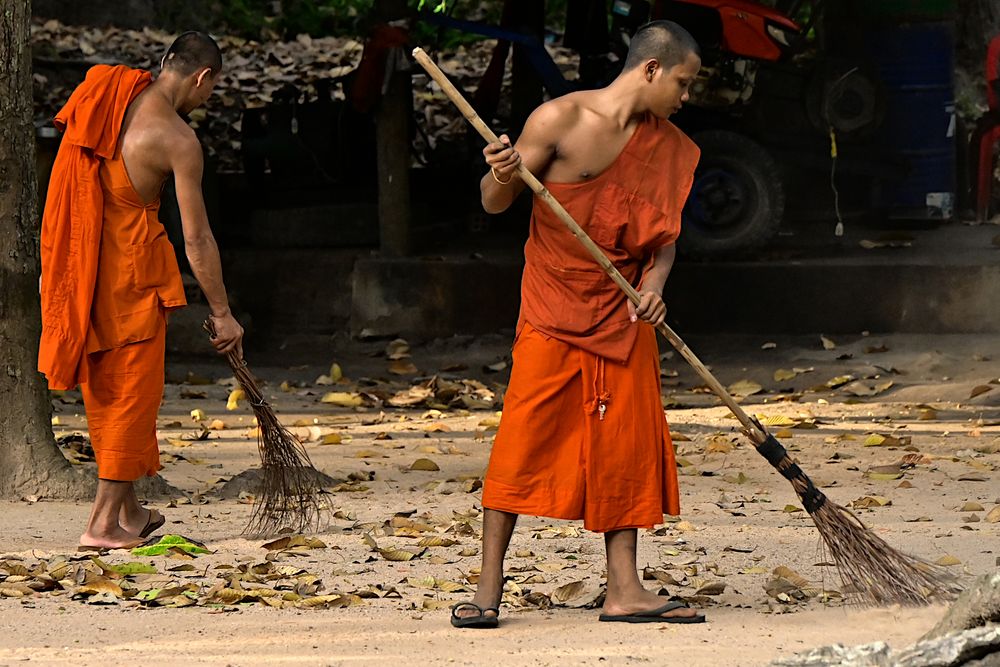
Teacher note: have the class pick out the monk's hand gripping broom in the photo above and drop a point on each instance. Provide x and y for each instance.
(872, 572)
(288, 496)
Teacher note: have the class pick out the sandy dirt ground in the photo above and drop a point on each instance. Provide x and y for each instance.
(917, 459)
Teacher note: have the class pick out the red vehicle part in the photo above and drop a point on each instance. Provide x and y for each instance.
(750, 29)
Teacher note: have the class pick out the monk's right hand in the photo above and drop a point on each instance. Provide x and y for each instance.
(502, 158)
(228, 334)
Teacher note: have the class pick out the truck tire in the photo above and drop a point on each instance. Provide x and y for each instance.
(737, 199)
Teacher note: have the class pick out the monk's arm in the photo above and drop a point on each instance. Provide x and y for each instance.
(535, 148)
(199, 243)
(655, 276)
(651, 307)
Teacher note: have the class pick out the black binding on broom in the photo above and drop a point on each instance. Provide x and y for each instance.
(775, 453)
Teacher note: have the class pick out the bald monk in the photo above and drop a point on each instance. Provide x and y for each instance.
(109, 274)
(583, 434)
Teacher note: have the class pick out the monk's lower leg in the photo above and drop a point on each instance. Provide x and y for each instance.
(104, 528)
(133, 516)
(498, 527)
(623, 578)
(626, 594)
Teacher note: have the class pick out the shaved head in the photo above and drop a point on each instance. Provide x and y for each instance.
(665, 41)
(191, 52)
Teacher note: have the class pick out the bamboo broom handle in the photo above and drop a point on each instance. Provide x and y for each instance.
(750, 426)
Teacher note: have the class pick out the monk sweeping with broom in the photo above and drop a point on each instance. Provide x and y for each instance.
(109, 274)
(548, 457)
(583, 435)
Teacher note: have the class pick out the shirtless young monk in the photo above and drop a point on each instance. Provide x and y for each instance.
(109, 273)
(583, 434)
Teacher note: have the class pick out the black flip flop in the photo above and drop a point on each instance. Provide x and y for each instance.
(152, 526)
(481, 621)
(655, 615)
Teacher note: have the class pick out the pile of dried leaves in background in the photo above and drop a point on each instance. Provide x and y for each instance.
(255, 74)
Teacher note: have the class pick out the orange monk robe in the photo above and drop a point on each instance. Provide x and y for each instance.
(583, 434)
(109, 275)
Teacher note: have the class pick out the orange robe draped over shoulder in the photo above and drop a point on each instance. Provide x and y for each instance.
(583, 433)
(109, 275)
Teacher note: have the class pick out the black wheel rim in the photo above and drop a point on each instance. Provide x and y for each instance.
(722, 201)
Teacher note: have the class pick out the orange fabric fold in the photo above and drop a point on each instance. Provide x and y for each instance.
(631, 210)
(73, 218)
(583, 437)
(137, 275)
(122, 397)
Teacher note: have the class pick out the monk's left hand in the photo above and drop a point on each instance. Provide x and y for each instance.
(651, 308)
(228, 334)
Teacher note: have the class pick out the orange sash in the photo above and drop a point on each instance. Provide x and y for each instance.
(631, 210)
(105, 269)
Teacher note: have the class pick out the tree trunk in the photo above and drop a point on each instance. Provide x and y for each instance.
(30, 460)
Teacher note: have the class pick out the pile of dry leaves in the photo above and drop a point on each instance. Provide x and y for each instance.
(255, 75)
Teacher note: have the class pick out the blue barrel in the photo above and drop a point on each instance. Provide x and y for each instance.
(916, 64)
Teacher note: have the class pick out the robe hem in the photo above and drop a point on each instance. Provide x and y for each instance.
(571, 516)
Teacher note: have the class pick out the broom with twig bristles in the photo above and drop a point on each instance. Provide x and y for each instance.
(871, 571)
(289, 490)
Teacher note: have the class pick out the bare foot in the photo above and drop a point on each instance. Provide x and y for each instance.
(622, 604)
(117, 538)
(139, 521)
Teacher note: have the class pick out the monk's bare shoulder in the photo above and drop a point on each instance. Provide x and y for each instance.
(154, 131)
(550, 122)
(182, 137)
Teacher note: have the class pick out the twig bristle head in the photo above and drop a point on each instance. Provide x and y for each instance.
(871, 571)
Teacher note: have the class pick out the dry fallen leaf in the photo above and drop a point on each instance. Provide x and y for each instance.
(343, 398)
(884, 473)
(980, 389)
(235, 396)
(437, 541)
(866, 502)
(567, 592)
(424, 464)
(972, 507)
(403, 367)
(336, 373)
(779, 421)
(867, 387)
(397, 349)
(399, 555)
(827, 343)
(837, 381)
(783, 374)
(744, 388)
(948, 560)
(711, 588)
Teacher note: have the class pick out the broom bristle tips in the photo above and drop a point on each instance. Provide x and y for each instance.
(290, 486)
(871, 571)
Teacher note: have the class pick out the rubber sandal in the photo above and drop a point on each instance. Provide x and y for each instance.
(480, 621)
(152, 526)
(654, 615)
